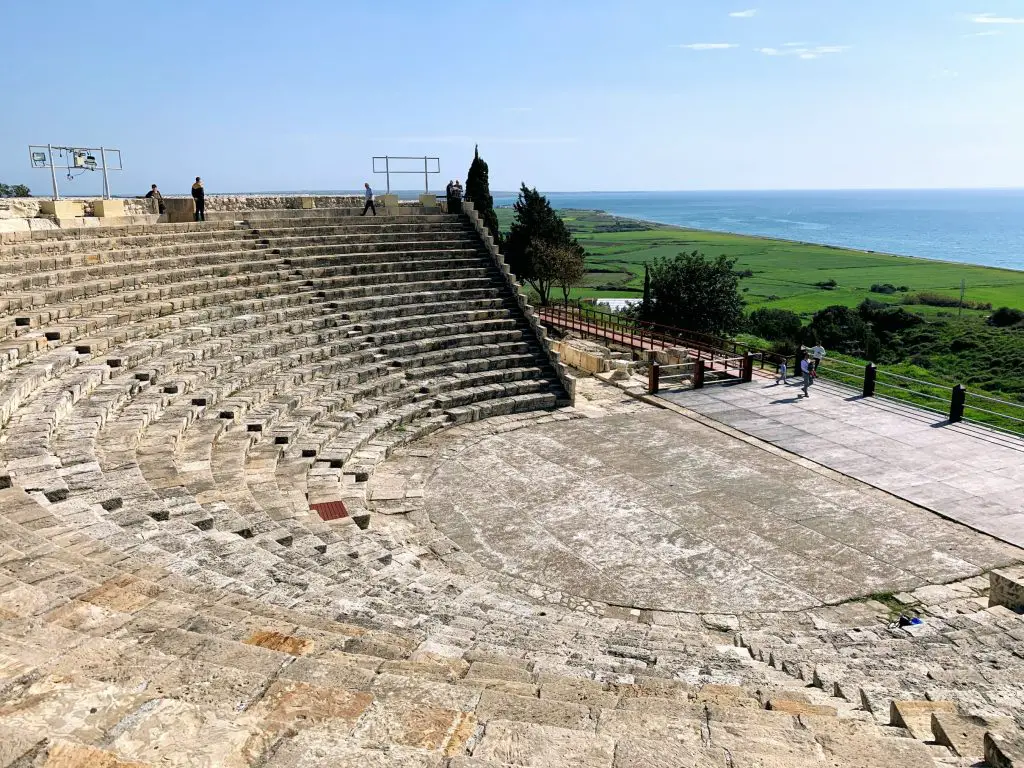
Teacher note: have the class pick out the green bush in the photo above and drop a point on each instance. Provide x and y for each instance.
(1005, 317)
(932, 299)
(774, 324)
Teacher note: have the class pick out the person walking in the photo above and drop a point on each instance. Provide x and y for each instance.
(782, 373)
(805, 370)
(455, 206)
(155, 193)
(369, 201)
(817, 353)
(199, 195)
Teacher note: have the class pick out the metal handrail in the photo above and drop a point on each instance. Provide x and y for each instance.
(910, 378)
(994, 413)
(958, 405)
(644, 329)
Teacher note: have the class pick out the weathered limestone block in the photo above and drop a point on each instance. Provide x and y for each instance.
(1006, 588)
(108, 208)
(62, 209)
(543, 746)
(1004, 750)
(964, 735)
(180, 209)
(495, 705)
(916, 716)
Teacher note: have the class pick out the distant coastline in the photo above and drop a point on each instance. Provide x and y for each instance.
(981, 227)
(765, 238)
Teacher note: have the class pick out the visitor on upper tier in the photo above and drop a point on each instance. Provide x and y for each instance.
(155, 193)
(805, 370)
(455, 198)
(199, 195)
(369, 201)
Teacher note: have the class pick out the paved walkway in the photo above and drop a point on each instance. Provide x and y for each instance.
(964, 472)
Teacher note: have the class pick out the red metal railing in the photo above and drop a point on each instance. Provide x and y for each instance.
(646, 336)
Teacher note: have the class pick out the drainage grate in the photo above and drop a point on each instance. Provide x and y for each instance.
(330, 510)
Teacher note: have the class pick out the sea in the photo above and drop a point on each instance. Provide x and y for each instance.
(983, 227)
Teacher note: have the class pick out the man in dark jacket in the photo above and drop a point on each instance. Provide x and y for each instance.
(155, 193)
(199, 195)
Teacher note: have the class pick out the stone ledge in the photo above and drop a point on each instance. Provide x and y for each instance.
(1006, 588)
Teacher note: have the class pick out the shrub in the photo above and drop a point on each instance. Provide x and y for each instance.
(840, 328)
(888, 288)
(827, 285)
(774, 324)
(932, 299)
(887, 319)
(1005, 317)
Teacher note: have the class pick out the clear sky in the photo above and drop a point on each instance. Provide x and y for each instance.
(260, 95)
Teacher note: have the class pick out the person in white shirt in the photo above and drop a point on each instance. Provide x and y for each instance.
(817, 353)
(805, 369)
(782, 373)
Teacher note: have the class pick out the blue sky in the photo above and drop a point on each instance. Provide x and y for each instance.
(562, 94)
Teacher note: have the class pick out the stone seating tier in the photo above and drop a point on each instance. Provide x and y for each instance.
(173, 400)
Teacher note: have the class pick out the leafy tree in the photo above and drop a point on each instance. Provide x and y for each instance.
(775, 324)
(478, 191)
(567, 266)
(535, 235)
(696, 293)
(14, 190)
(842, 329)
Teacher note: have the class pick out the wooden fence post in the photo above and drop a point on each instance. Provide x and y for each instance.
(653, 378)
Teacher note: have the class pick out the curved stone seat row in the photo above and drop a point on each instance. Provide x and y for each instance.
(168, 597)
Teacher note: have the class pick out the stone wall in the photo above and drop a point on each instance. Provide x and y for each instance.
(584, 356)
(278, 202)
(546, 343)
(28, 207)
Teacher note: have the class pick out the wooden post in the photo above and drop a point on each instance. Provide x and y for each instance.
(653, 378)
(748, 368)
(956, 403)
(698, 374)
(870, 376)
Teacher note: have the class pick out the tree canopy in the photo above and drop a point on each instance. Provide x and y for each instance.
(775, 324)
(478, 191)
(696, 293)
(539, 247)
(14, 190)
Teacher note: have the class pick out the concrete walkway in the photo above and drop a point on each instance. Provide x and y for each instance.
(964, 472)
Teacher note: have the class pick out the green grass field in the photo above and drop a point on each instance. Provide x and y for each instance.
(784, 273)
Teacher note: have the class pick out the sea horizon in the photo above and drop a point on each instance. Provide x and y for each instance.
(969, 226)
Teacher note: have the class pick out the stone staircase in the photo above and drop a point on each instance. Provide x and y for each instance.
(174, 398)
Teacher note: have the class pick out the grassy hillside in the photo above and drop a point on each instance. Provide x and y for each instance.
(785, 274)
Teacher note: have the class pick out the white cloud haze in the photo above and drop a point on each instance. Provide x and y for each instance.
(991, 18)
(744, 14)
(803, 52)
(707, 46)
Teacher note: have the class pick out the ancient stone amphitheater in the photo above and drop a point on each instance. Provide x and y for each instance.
(290, 488)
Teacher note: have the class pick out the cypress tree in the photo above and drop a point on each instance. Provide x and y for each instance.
(478, 191)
